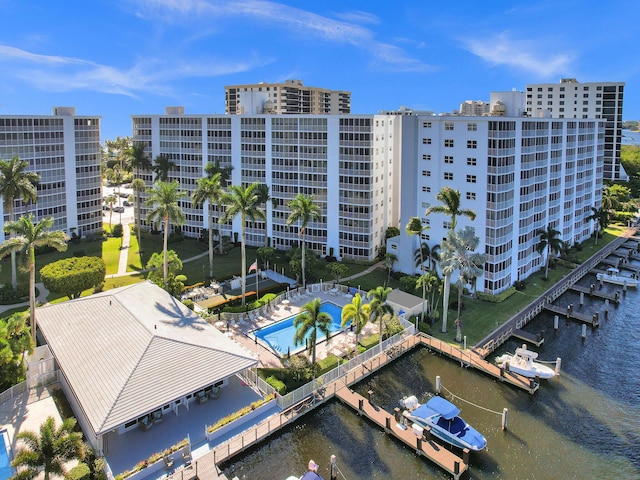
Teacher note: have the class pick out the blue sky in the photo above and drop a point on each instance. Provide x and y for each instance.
(116, 58)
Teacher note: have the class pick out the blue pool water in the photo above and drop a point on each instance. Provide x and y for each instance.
(279, 336)
(5, 468)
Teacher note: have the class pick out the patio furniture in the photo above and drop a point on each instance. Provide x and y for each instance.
(215, 393)
(145, 424)
(202, 396)
(168, 461)
(157, 416)
(186, 458)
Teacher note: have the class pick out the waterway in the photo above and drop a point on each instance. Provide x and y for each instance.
(584, 424)
(630, 138)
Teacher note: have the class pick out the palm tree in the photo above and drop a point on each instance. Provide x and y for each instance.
(389, 260)
(242, 201)
(48, 451)
(431, 280)
(162, 166)
(136, 158)
(303, 211)
(309, 321)
(601, 218)
(451, 200)
(378, 305)
(212, 169)
(415, 227)
(138, 187)
(264, 197)
(15, 340)
(551, 242)
(209, 190)
(163, 200)
(116, 176)
(110, 201)
(16, 183)
(459, 254)
(29, 236)
(358, 314)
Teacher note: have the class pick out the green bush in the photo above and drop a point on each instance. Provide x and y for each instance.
(501, 297)
(117, 230)
(9, 296)
(279, 385)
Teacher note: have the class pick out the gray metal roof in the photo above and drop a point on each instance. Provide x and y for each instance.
(126, 352)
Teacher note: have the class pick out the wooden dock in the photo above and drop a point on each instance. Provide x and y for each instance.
(573, 315)
(536, 340)
(471, 358)
(612, 297)
(448, 461)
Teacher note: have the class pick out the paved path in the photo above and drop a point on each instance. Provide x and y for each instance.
(124, 250)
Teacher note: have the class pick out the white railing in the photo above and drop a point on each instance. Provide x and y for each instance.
(23, 387)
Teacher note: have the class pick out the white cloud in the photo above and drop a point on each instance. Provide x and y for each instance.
(502, 49)
(62, 74)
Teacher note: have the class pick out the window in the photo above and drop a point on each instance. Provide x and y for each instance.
(448, 159)
(426, 141)
(448, 175)
(471, 161)
(448, 126)
(426, 156)
(448, 142)
(426, 189)
(472, 127)
(426, 173)
(472, 144)
(426, 124)
(471, 196)
(471, 179)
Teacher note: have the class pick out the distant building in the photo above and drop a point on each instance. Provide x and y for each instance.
(572, 99)
(64, 149)
(475, 108)
(290, 97)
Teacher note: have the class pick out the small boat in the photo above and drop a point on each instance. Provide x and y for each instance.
(522, 363)
(612, 276)
(441, 416)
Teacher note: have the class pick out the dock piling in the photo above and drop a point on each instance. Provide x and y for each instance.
(505, 418)
(584, 331)
(558, 363)
(333, 468)
(555, 322)
(438, 384)
(581, 299)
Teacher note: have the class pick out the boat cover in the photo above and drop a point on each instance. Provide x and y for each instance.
(437, 405)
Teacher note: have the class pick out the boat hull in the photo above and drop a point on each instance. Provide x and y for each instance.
(532, 370)
(615, 280)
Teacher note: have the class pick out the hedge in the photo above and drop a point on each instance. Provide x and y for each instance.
(501, 297)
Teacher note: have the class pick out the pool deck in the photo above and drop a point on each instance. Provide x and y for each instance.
(339, 344)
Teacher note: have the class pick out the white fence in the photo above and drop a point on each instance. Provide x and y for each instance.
(23, 387)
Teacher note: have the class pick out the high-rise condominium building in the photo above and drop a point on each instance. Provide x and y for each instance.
(290, 97)
(330, 157)
(520, 175)
(64, 149)
(474, 107)
(572, 99)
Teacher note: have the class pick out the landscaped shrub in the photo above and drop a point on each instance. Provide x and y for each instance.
(279, 385)
(243, 411)
(501, 297)
(117, 230)
(9, 296)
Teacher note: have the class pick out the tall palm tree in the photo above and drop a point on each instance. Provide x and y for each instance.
(264, 196)
(49, 451)
(209, 190)
(212, 169)
(30, 235)
(110, 201)
(116, 176)
(244, 202)
(601, 218)
(15, 339)
(303, 211)
(389, 260)
(358, 314)
(138, 187)
(16, 183)
(459, 254)
(551, 242)
(136, 159)
(415, 227)
(378, 305)
(433, 286)
(162, 166)
(451, 206)
(310, 320)
(163, 200)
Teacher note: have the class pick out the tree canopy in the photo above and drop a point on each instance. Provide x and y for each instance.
(72, 276)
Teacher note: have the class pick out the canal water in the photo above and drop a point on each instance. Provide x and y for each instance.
(584, 424)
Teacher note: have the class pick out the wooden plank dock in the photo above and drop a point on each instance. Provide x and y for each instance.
(612, 297)
(531, 338)
(573, 315)
(448, 461)
(471, 358)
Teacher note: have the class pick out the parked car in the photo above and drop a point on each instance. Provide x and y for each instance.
(127, 203)
(106, 207)
(118, 209)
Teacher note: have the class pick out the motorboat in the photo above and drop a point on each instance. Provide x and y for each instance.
(442, 418)
(522, 363)
(612, 275)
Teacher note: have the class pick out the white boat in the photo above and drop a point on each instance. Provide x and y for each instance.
(522, 363)
(441, 417)
(613, 276)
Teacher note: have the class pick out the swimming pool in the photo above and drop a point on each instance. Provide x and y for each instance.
(279, 336)
(5, 456)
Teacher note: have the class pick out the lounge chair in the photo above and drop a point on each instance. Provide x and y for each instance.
(168, 461)
(202, 396)
(215, 393)
(157, 416)
(145, 424)
(186, 458)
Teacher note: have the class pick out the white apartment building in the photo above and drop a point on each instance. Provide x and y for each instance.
(331, 157)
(64, 149)
(290, 97)
(475, 108)
(573, 99)
(518, 174)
